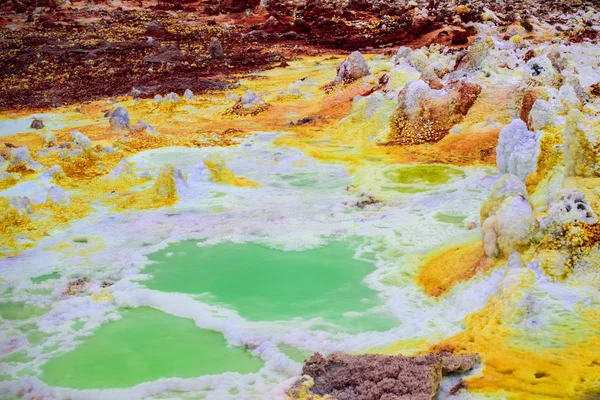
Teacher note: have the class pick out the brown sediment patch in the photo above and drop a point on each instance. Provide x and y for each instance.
(445, 268)
(374, 376)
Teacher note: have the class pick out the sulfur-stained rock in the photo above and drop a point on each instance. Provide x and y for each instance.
(512, 226)
(581, 143)
(80, 141)
(541, 116)
(157, 99)
(55, 172)
(507, 186)
(18, 155)
(164, 187)
(119, 120)
(249, 104)
(400, 75)
(220, 173)
(164, 191)
(553, 262)
(8, 177)
(568, 206)
(425, 115)
(539, 70)
(171, 98)
(48, 138)
(477, 53)
(123, 168)
(517, 150)
(352, 68)
(19, 160)
(568, 97)
(22, 204)
(188, 95)
(143, 126)
(58, 196)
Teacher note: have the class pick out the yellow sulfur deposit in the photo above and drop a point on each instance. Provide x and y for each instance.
(451, 264)
(220, 173)
(518, 366)
(516, 39)
(162, 193)
(463, 10)
(102, 296)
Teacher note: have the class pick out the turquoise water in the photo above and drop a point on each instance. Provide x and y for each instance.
(264, 284)
(145, 345)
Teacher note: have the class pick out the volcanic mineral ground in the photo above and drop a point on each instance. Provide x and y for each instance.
(300, 199)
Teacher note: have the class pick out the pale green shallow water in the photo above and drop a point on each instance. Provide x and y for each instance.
(264, 284)
(145, 345)
(19, 311)
(419, 178)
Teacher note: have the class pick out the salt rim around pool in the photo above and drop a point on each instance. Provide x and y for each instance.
(279, 215)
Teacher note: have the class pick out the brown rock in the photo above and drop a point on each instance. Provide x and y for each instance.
(155, 30)
(361, 5)
(529, 97)
(418, 24)
(37, 124)
(170, 54)
(237, 6)
(215, 48)
(375, 377)
(460, 37)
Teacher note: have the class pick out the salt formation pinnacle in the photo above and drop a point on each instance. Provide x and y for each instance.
(119, 120)
(352, 68)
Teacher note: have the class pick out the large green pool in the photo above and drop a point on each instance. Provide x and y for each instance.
(263, 284)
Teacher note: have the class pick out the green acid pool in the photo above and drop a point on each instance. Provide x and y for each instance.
(263, 284)
(419, 178)
(145, 345)
(20, 311)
